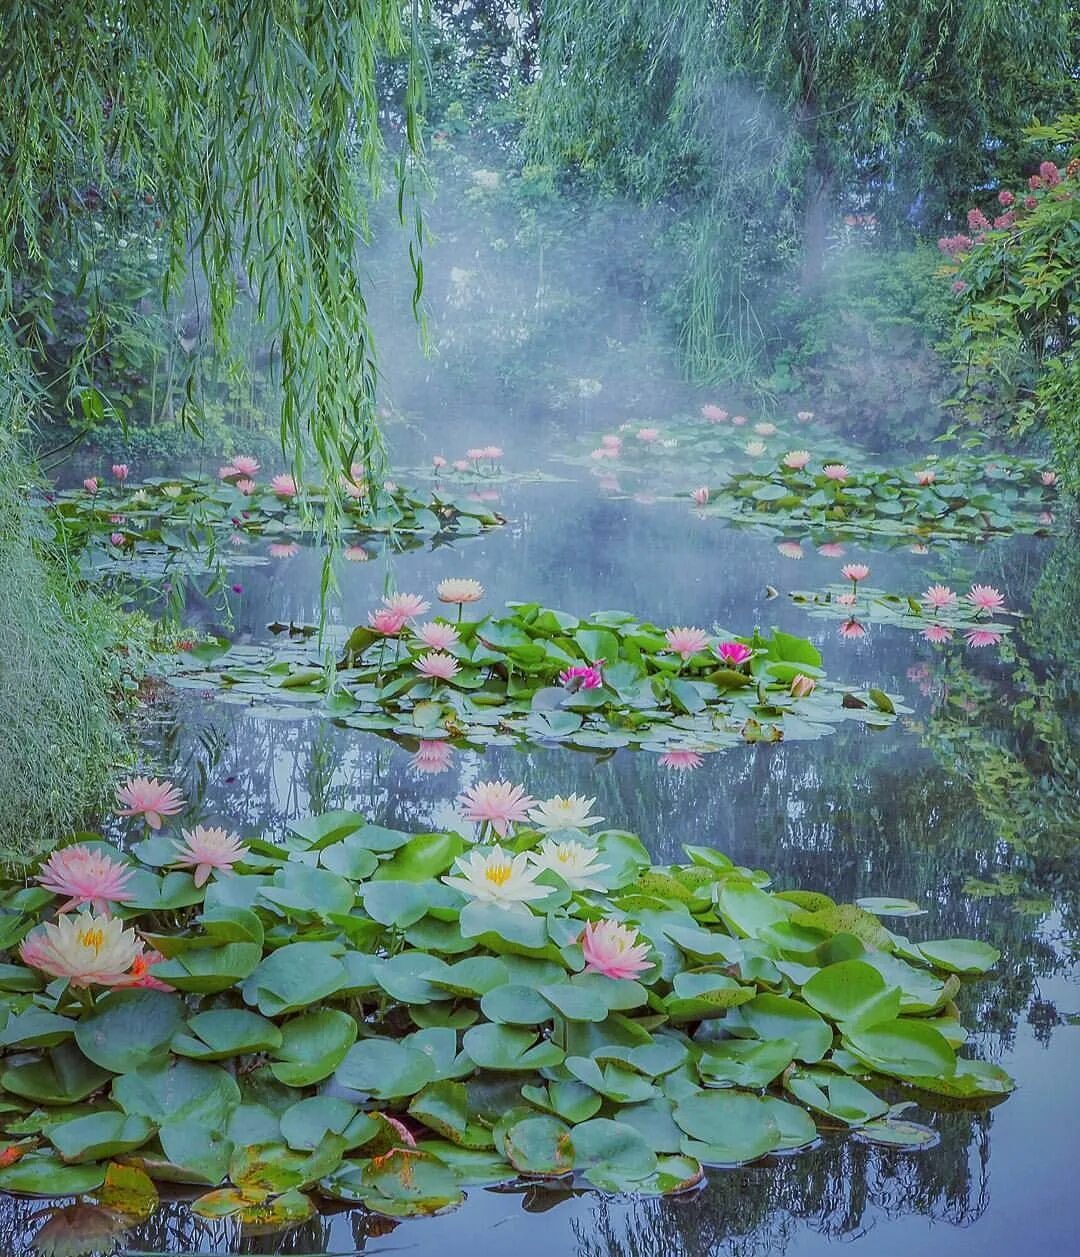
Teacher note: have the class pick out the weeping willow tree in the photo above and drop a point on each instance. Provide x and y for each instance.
(255, 136)
(257, 133)
(755, 121)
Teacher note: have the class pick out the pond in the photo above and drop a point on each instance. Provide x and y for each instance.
(930, 808)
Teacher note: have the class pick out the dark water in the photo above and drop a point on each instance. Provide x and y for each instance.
(922, 810)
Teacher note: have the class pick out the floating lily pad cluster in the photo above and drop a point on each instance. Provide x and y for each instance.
(693, 450)
(330, 1017)
(503, 685)
(959, 498)
(187, 516)
(939, 615)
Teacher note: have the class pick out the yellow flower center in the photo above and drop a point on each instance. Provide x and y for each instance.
(498, 873)
(92, 938)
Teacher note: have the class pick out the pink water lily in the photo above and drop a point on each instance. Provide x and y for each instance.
(1048, 478)
(121, 471)
(499, 804)
(938, 633)
(87, 950)
(986, 598)
(648, 435)
(283, 549)
(582, 676)
(714, 414)
(387, 622)
(852, 629)
(611, 442)
(796, 459)
(438, 462)
(846, 600)
(437, 666)
(357, 554)
(835, 471)
(790, 549)
(700, 496)
(681, 760)
(432, 757)
(437, 635)
(408, 605)
(938, 597)
(86, 876)
(926, 476)
(459, 589)
(245, 464)
(141, 973)
(208, 848)
(982, 637)
(733, 653)
(804, 416)
(855, 572)
(831, 550)
(739, 420)
(149, 798)
(91, 484)
(765, 429)
(284, 486)
(613, 949)
(685, 642)
(246, 486)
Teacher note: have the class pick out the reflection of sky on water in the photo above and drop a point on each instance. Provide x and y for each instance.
(857, 813)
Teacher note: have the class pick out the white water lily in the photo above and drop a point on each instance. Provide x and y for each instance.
(83, 948)
(498, 877)
(559, 812)
(573, 861)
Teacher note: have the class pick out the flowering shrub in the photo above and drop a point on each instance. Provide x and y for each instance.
(372, 1016)
(1016, 278)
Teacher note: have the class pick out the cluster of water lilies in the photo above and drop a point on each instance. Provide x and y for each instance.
(362, 1014)
(181, 514)
(939, 614)
(958, 497)
(534, 674)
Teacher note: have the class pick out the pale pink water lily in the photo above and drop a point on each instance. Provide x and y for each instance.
(357, 554)
(754, 448)
(1046, 517)
(926, 476)
(461, 464)
(681, 760)
(117, 538)
(437, 666)
(227, 472)
(846, 600)
(765, 429)
(613, 949)
(387, 622)
(437, 635)
(919, 548)
(802, 686)
(91, 484)
(88, 950)
(237, 539)
(474, 455)
(700, 496)
(571, 811)
(796, 459)
(283, 549)
(790, 549)
(438, 462)
(284, 486)
(1048, 478)
(390, 486)
(583, 676)
(574, 862)
(739, 421)
(603, 451)
(459, 589)
(247, 487)
(985, 598)
(86, 876)
(855, 572)
(835, 471)
(648, 435)
(831, 550)
(207, 848)
(852, 629)
(499, 804)
(497, 876)
(714, 414)
(246, 465)
(938, 597)
(432, 756)
(733, 653)
(686, 641)
(356, 471)
(355, 489)
(611, 442)
(804, 416)
(408, 605)
(937, 633)
(121, 471)
(149, 798)
(982, 637)
(492, 452)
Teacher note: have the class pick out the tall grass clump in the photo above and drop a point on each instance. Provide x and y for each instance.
(59, 732)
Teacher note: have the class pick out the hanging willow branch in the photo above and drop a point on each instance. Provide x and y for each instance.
(258, 130)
